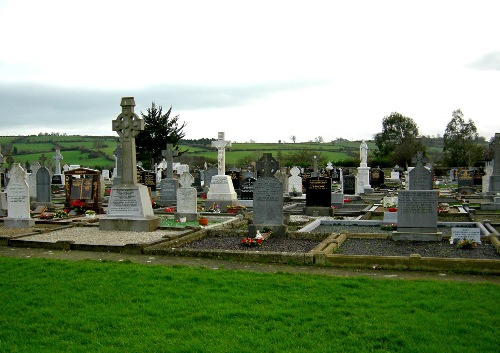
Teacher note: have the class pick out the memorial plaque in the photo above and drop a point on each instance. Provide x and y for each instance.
(86, 189)
(461, 233)
(247, 189)
(76, 189)
(318, 192)
(124, 202)
(377, 177)
(465, 178)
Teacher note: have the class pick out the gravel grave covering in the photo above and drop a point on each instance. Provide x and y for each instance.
(271, 244)
(94, 236)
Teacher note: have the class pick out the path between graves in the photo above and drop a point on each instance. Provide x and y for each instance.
(214, 264)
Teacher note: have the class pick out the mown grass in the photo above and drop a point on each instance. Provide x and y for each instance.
(55, 306)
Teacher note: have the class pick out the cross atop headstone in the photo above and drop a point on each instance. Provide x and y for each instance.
(186, 180)
(221, 145)
(42, 160)
(128, 125)
(169, 155)
(419, 158)
(57, 158)
(267, 165)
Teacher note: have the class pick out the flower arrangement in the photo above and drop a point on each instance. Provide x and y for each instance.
(61, 214)
(231, 207)
(46, 216)
(214, 208)
(391, 226)
(443, 207)
(169, 209)
(252, 241)
(466, 244)
(90, 212)
(77, 206)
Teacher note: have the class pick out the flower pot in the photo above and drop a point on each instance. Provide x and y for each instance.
(182, 219)
(392, 209)
(90, 215)
(203, 221)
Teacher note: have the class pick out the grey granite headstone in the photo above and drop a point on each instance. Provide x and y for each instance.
(43, 182)
(268, 207)
(417, 216)
(494, 186)
(419, 178)
(18, 200)
(168, 194)
(35, 166)
(209, 173)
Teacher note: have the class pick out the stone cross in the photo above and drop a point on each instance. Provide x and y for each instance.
(42, 160)
(186, 180)
(496, 154)
(419, 158)
(169, 155)
(118, 160)
(58, 158)
(268, 165)
(128, 125)
(221, 145)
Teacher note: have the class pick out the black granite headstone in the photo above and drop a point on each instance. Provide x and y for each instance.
(318, 192)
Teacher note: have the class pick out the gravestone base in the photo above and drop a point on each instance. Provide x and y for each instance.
(18, 222)
(368, 190)
(130, 209)
(278, 230)
(190, 217)
(316, 211)
(466, 190)
(131, 224)
(417, 235)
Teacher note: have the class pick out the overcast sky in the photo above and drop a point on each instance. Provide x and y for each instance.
(257, 70)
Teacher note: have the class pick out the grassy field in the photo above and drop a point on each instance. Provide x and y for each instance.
(56, 306)
(30, 148)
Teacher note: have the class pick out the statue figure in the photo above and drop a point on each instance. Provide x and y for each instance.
(363, 153)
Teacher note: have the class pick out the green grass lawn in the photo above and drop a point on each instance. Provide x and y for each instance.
(86, 306)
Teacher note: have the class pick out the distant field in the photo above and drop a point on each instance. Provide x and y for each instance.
(30, 148)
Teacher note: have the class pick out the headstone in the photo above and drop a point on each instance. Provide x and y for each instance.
(235, 178)
(105, 174)
(209, 173)
(295, 182)
(85, 185)
(43, 189)
(318, 192)
(465, 178)
(488, 171)
(246, 192)
(169, 185)
(420, 178)
(495, 176)
(57, 158)
(187, 198)
(268, 207)
(35, 166)
(129, 206)
(349, 184)
(18, 200)
(197, 179)
(282, 176)
(377, 177)
(146, 178)
(3, 204)
(417, 216)
(315, 167)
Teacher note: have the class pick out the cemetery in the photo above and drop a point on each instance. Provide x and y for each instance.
(364, 217)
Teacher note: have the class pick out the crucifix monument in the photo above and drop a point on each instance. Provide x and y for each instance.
(221, 192)
(57, 178)
(169, 185)
(129, 206)
(363, 176)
